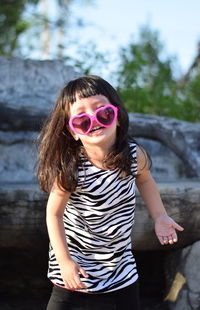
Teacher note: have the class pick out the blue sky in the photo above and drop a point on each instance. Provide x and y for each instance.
(112, 23)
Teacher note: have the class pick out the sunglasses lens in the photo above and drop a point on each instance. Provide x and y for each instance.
(81, 124)
(106, 116)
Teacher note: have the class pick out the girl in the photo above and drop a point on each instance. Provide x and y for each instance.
(90, 167)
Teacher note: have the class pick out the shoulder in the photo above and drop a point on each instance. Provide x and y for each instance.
(143, 159)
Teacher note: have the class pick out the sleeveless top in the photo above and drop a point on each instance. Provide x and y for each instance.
(98, 221)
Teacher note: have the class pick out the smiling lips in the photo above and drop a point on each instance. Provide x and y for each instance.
(95, 129)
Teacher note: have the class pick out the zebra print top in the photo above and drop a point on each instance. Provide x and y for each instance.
(98, 220)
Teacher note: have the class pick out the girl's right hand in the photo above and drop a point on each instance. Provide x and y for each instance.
(70, 271)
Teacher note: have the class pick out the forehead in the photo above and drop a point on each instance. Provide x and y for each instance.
(92, 102)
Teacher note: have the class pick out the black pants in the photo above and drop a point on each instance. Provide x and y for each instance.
(124, 299)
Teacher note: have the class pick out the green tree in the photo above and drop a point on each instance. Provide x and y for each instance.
(30, 25)
(12, 24)
(147, 84)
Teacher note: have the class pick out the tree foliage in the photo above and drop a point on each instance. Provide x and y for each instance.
(145, 77)
(12, 24)
(29, 25)
(147, 83)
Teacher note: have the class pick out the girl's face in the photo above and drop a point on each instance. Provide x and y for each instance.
(97, 135)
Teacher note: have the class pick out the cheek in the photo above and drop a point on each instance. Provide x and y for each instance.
(113, 129)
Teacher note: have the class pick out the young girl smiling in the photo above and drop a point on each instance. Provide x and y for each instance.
(89, 166)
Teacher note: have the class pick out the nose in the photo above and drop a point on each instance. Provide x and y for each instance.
(92, 114)
(94, 122)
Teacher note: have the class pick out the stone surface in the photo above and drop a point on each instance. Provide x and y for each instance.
(182, 202)
(28, 89)
(185, 262)
(22, 214)
(183, 138)
(22, 144)
(24, 241)
(18, 156)
(166, 166)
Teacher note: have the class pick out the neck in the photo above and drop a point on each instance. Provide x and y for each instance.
(96, 153)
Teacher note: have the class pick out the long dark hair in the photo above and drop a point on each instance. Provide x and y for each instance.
(59, 152)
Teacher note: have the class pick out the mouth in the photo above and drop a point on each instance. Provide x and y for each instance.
(95, 129)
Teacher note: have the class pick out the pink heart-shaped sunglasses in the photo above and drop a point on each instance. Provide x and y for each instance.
(83, 123)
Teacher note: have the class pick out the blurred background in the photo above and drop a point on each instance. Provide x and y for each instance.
(150, 52)
(138, 46)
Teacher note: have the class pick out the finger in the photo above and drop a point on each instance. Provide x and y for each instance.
(178, 227)
(165, 240)
(72, 285)
(171, 239)
(79, 283)
(66, 285)
(83, 272)
(174, 237)
(161, 240)
(69, 285)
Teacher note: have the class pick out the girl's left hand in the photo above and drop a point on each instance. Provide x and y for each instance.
(165, 229)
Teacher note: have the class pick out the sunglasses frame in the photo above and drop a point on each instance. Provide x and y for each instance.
(93, 118)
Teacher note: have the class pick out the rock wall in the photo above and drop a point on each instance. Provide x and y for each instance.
(183, 138)
(28, 89)
(182, 202)
(15, 145)
(183, 278)
(27, 92)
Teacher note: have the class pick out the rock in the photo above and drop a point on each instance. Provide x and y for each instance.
(183, 138)
(22, 144)
(186, 264)
(22, 213)
(18, 157)
(181, 200)
(28, 89)
(166, 166)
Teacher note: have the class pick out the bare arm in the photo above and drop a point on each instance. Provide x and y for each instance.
(54, 217)
(165, 227)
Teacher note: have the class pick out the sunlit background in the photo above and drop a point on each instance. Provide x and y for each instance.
(149, 50)
(109, 26)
